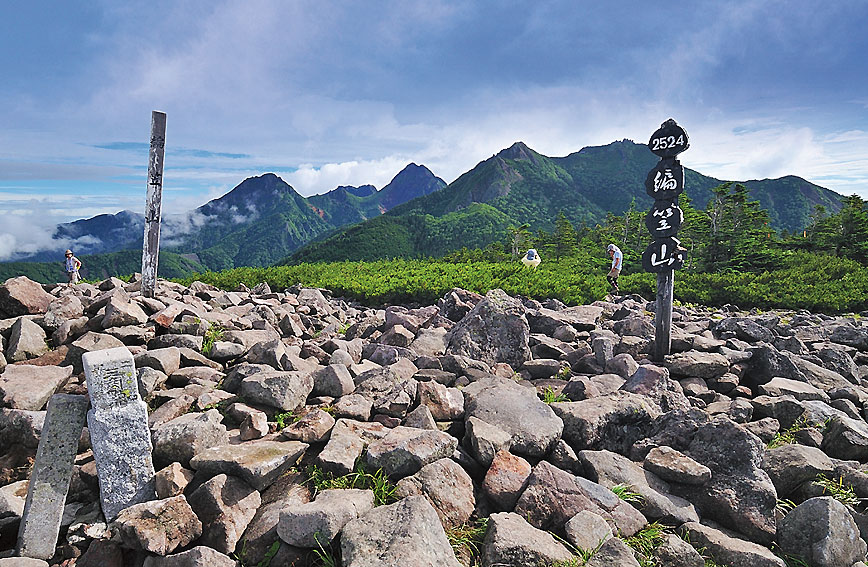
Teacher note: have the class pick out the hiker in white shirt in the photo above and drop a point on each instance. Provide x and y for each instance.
(617, 262)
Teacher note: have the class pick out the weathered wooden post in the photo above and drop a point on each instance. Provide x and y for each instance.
(664, 255)
(151, 248)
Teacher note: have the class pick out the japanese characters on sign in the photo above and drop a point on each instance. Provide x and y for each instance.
(664, 184)
(666, 180)
(664, 254)
(664, 219)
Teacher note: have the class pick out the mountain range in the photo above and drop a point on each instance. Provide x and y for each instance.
(264, 221)
(519, 185)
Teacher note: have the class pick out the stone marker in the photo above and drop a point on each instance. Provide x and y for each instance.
(118, 425)
(52, 472)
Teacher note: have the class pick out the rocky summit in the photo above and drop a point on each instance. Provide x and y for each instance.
(257, 427)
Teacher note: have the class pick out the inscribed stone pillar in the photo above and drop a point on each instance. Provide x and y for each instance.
(118, 425)
(52, 472)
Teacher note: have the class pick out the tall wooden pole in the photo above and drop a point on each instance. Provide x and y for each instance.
(151, 249)
(663, 319)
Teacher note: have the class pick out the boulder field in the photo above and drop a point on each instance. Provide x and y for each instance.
(542, 429)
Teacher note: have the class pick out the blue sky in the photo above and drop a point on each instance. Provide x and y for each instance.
(333, 93)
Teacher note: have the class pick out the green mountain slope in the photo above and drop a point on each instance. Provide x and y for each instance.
(519, 185)
(101, 266)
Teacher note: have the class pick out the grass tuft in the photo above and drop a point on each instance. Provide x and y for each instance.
(550, 397)
(384, 490)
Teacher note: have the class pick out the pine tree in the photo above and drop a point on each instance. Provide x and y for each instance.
(564, 237)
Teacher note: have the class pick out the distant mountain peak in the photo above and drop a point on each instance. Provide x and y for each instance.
(518, 151)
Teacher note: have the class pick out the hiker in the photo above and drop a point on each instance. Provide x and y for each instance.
(531, 258)
(72, 265)
(617, 262)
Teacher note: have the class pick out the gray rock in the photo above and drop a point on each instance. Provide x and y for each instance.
(587, 530)
(420, 418)
(397, 400)
(674, 466)
(172, 480)
(505, 480)
(23, 296)
(407, 533)
(740, 494)
(430, 342)
(28, 387)
(26, 340)
(675, 552)
(501, 402)
(186, 436)
(282, 390)
(792, 465)
(447, 487)
(845, 335)
(334, 380)
(495, 330)
(484, 440)
(745, 329)
(728, 550)
(405, 450)
(695, 363)
(610, 469)
(542, 368)
(314, 427)
(346, 443)
(654, 382)
(354, 406)
(89, 342)
(166, 360)
(622, 364)
(799, 390)
(822, 532)
(554, 496)
(845, 437)
(613, 553)
(510, 540)
(547, 321)
(258, 463)
(119, 313)
(315, 524)
(612, 422)
(444, 403)
(225, 505)
(837, 360)
(199, 556)
(22, 561)
(158, 526)
(603, 348)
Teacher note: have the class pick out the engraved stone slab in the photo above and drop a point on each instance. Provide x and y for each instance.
(52, 471)
(118, 425)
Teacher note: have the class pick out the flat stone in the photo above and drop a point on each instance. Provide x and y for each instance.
(587, 530)
(315, 524)
(405, 450)
(727, 549)
(166, 360)
(258, 463)
(282, 390)
(407, 533)
(199, 556)
(172, 480)
(511, 540)
(346, 443)
(186, 436)
(28, 387)
(675, 466)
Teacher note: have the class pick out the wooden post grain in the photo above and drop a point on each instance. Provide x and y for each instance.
(663, 318)
(151, 248)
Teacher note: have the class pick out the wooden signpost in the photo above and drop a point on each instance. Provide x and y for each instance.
(664, 255)
(151, 248)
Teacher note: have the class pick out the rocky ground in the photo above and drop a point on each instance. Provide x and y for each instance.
(292, 428)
